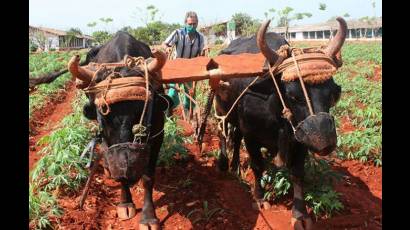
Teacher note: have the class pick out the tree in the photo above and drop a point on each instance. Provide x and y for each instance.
(285, 18)
(219, 29)
(322, 6)
(127, 29)
(242, 22)
(92, 24)
(101, 36)
(346, 15)
(154, 32)
(148, 14)
(106, 21)
(269, 14)
(72, 33)
(152, 10)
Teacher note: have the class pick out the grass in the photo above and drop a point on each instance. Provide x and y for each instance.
(60, 169)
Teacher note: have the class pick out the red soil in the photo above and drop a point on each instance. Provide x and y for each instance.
(377, 73)
(346, 125)
(44, 120)
(183, 188)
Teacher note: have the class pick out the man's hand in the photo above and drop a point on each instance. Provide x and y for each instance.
(205, 51)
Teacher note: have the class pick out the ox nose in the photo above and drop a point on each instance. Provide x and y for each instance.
(318, 133)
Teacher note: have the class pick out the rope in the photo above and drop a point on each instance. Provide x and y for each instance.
(139, 130)
(286, 113)
(223, 118)
(302, 84)
(162, 130)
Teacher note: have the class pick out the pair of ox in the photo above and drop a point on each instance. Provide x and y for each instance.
(256, 118)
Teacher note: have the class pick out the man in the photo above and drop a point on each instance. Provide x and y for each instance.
(189, 43)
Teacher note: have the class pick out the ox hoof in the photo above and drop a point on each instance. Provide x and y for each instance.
(126, 211)
(149, 225)
(303, 224)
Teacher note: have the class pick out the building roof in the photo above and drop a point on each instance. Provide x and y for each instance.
(351, 24)
(59, 32)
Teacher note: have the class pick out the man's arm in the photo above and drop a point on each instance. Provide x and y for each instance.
(170, 40)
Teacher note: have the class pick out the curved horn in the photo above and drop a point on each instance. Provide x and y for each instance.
(159, 61)
(79, 72)
(270, 54)
(336, 43)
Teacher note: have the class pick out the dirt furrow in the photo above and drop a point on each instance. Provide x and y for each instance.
(46, 119)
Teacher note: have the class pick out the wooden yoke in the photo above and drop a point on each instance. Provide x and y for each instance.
(222, 67)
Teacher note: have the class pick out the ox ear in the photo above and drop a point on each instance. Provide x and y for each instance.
(90, 111)
(164, 101)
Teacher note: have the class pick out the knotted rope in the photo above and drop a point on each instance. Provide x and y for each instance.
(222, 119)
(139, 130)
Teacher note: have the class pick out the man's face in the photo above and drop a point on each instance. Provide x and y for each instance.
(192, 22)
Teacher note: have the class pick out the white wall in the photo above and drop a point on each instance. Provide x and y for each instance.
(52, 42)
(299, 36)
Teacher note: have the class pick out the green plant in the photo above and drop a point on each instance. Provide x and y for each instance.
(219, 42)
(60, 169)
(205, 213)
(172, 146)
(318, 181)
(32, 46)
(42, 206)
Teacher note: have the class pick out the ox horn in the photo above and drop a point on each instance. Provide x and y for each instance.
(336, 43)
(159, 61)
(270, 54)
(79, 72)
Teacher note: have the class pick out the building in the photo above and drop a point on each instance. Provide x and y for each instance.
(46, 39)
(210, 35)
(322, 31)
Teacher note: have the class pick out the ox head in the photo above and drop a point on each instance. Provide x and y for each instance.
(316, 131)
(125, 160)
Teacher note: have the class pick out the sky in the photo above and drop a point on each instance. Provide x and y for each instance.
(64, 15)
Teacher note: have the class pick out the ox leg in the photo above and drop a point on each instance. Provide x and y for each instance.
(237, 138)
(126, 209)
(300, 218)
(258, 167)
(149, 219)
(223, 157)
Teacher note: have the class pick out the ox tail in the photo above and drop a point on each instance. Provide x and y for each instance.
(49, 77)
(205, 118)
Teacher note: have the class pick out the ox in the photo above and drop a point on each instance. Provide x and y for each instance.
(126, 162)
(257, 117)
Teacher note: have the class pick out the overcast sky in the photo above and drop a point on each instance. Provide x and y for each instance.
(63, 15)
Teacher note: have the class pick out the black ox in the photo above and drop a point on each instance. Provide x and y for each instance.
(123, 162)
(257, 118)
